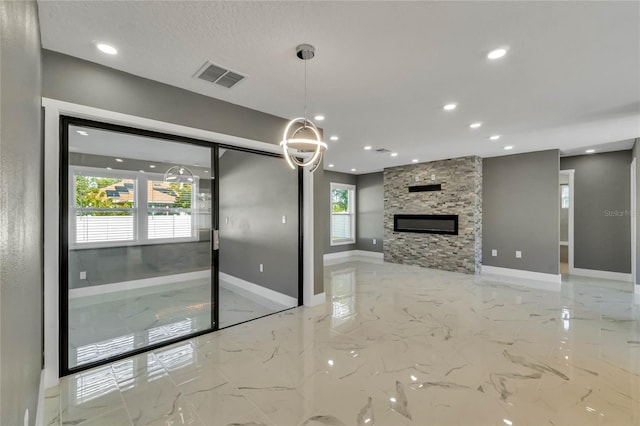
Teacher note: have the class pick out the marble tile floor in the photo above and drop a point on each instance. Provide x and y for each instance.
(106, 325)
(394, 345)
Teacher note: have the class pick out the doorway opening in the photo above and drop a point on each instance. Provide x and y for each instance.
(566, 193)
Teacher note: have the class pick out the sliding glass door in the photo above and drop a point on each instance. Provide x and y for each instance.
(139, 256)
(259, 236)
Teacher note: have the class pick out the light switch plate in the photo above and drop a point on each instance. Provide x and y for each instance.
(494, 252)
(518, 254)
(261, 267)
(83, 275)
(284, 219)
(375, 241)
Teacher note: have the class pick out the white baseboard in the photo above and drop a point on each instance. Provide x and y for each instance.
(137, 284)
(316, 299)
(606, 275)
(40, 406)
(350, 253)
(518, 273)
(231, 283)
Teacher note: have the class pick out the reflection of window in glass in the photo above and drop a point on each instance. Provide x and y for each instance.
(109, 208)
(343, 208)
(169, 209)
(104, 208)
(564, 191)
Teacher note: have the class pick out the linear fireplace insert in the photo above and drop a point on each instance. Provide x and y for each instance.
(426, 223)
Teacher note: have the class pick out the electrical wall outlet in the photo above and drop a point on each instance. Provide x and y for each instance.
(417, 178)
(375, 241)
(284, 219)
(518, 254)
(494, 252)
(433, 177)
(83, 275)
(261, 267)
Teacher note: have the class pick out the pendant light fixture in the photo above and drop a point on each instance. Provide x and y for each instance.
(301, 134)
(179, 174)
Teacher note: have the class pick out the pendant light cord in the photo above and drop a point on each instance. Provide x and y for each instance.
(305, 93)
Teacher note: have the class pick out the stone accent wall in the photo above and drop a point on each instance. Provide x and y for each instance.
(461, 194)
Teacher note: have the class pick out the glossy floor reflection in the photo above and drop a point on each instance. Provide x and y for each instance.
(106, 325)
(394, 345)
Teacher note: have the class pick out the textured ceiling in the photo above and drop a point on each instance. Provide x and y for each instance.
(383, 70)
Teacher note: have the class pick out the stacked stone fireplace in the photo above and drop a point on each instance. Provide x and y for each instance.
(438, 189)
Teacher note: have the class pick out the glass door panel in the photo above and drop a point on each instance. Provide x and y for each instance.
(139, 253)
(259, 236)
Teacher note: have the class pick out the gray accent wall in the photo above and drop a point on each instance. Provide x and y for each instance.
(370, 211)
(21, 212)
(86, 83)
(520, 211)
(255, 192)
(324, 209)
(602, 225)
(82, 82)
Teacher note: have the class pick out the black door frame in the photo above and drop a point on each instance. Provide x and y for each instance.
(63, 237)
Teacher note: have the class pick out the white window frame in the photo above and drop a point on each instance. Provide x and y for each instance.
(140, 210)
(351, 213)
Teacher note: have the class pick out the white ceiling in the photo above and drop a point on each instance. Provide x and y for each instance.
(384, 70)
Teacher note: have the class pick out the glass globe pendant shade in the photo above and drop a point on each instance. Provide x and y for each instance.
(179, 174)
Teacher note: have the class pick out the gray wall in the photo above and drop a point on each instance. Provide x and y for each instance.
(125, 263)
(87, 83)
(520, 211)
(602, 228)
(20, 212)
(255, 192)
(75, 80)
(370, 211)
(325, 209)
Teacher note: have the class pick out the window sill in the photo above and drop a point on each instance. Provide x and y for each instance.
(342, 242)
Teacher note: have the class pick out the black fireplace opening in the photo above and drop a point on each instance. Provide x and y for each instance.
(426, 223)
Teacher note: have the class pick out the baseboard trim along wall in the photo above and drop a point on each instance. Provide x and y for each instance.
(350, 253)
(321, 299)
(102, 289)
(518, 273)
(231, 283)
(606, 275)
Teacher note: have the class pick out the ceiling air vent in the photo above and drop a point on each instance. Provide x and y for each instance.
(382, 150)
(218, 75)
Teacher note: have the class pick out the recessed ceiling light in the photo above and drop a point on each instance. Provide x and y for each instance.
(353, 170)
(330, 165)
(119, 160)
(497, 53)
(152, 166)
(590, 151)
(319, 117)
(367, 148)
(107, 48)
(82, 132)
(415, 160)
(475, 125)
(141, 171)
(109, 168)
(494, 137)
(334, 138)
(394, 154)
(449, 107)
(508, 147)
